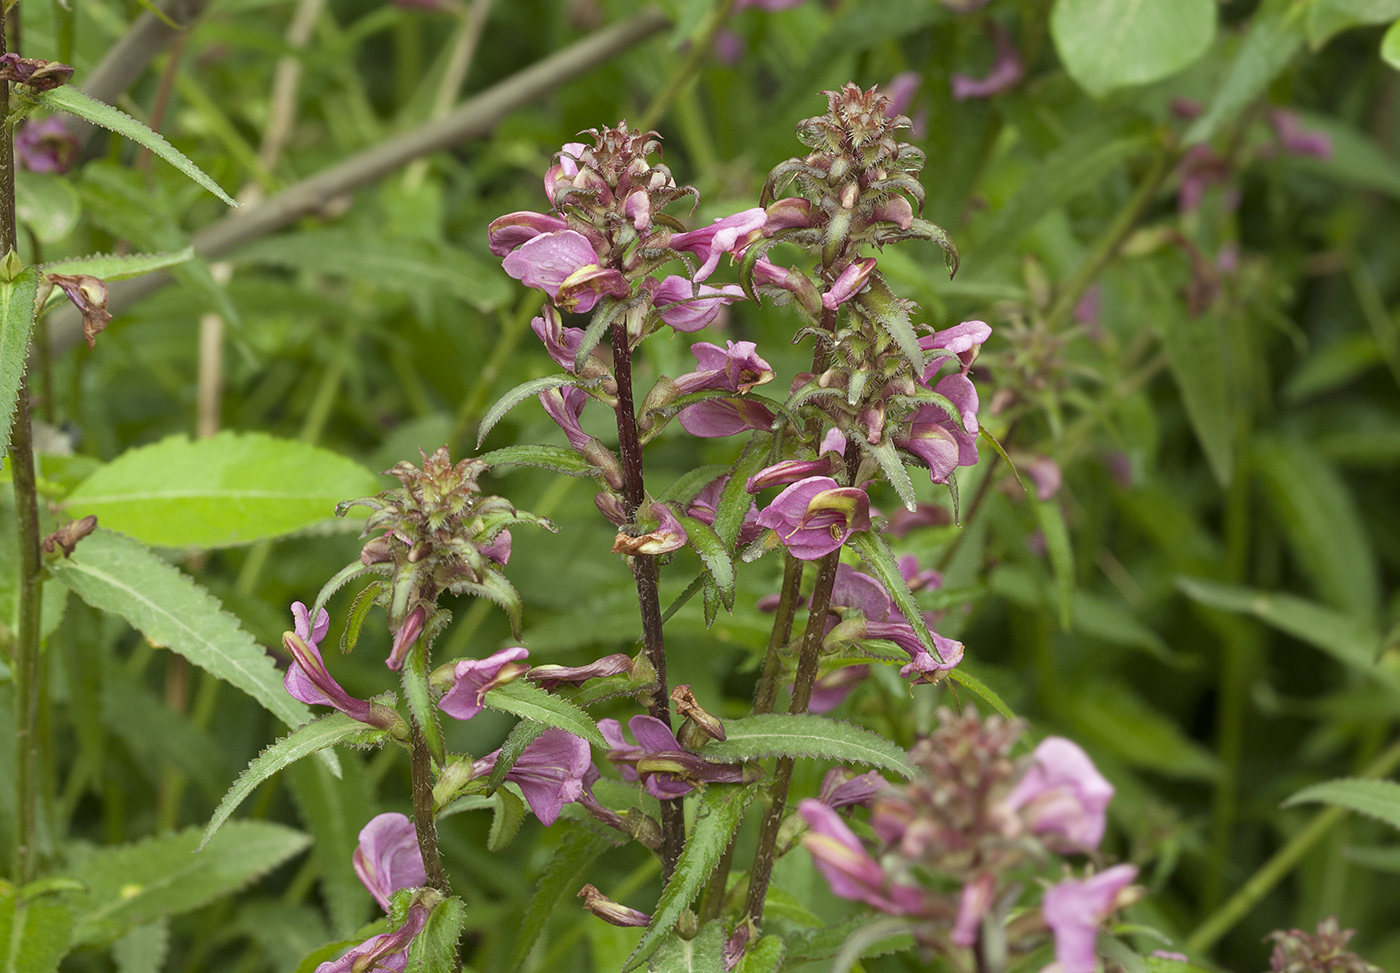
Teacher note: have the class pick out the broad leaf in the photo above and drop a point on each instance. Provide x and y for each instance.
(69, 99)
(1379, 799)
(702, 954)
(563, 876)
(517, 395)
(302, 742)
(233, 488)
(134, 884)
(1197, 350)
(118, 575)
(111, 266)
(143, 949)
(1108, 44)
(1326, 18)
(560, 459)
(530, 701)
(807, 736)
(35, 931)
(716, 820)
(16, 320)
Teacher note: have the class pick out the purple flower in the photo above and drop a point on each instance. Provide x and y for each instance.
(386, 952)
(715, 418)
(936, 439)
(769, 5)
(659, 761)
(903, 522)
(1073, 910)
(562, 343)
(963, 340)
(307, 678)
(736, 367)
(880, 619)
(472, 679)
(565, 406)
(388, 859)
(1006, 70)
(667, 536)
(564, 266)
(1045, 474)
(976, 898)
(550, 772)
(789, 471)
(850, 282)
(845, 788)
(1063, 794)
(565, 169)
(405, 637)
(815, 516)
(848, 867)
(1291, 135)
(689, 307)
(609, 911)
(727, 235)
(916, 578)
(46, 146)
(508, 232)
(498, 550)
(550, 676)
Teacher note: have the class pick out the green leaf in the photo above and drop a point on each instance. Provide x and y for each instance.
(506, 820)
(598, 325)
(1108, 44)
(118, 267)
(764, 956)
(1197, 351)
(521, 736)
(714, 553)
(317, 735)
(1052, 525)
(1379, 799)
(563, 876)
(1327, 18)
(806, 735)
(434, 950)
(118, 575)
(1344, 637)
(702, 954)
(876, 553)
(70, 99)
(35, 931)
(716, 820)
(873, 938)
(403, 265)
(233, 488)
(688, 485)
(143, 949)
(16, 320)
(133, 884)
(893, 467)
(1274, 35)
(734, 500)
(1390, 46)
(964, 678)
(560, 459)
(525, 699)
(891, 313)
(1108, 714)
(826, 942)
(517, 395)
(333, 810)
(47, 205)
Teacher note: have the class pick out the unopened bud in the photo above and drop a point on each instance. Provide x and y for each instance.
(697, 720)
(687, 926)
(610, 506)
(643, 828)
(604, 460)
(609, 911)
(66, 537)
(375, 551)
(406, 636)
(454, 777)
(10, 267)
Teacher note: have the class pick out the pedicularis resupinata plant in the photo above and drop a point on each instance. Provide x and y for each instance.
(847, 603)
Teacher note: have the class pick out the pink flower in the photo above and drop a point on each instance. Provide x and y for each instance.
(472, 679)
(848, 867)
(1063, 794)
(387, 952)
(508, 232)
(1074, 909)
(564, 266)
(962, 340)
(658, 760)
(850, 282)
(936, 439)
(46, 146)
(815, 516)
(689, 307)
(1045, 474)
(307, 678)
(550, 772)
(845, 788)
(1006, 70)
(549, 676)
(976, 898)
(388, 859)
(1295, 139)
(736, 367)
(715, 418)
(705, 507)
(722, 236)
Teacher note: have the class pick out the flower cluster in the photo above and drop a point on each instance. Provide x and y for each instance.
(977, 817)
(1325, 951)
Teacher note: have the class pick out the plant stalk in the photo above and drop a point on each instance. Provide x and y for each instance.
(421, 768)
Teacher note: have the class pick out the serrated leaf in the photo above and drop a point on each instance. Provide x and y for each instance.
(317, 735)
(1379, 799)
(143, 949)
(69, 99)
(517, 395)
(16, 321)
(1052, 526)
(359, 611)
(116, 574)
(1197, 351)
(764, 956)
(523, 698)
(35, 932)
(496, 589)
(715, 554)
(826, 942)
(688, 485)
(339, 580)
(721, 809)
(233, 488)
(1274, 35)
(876, 553)
(964, 678)
(702, 954)
(521, 736)
(734, 500)
(509, 814)
(434, 950)
(1108, 44)
(898, 477)
(111, 266)
(134, 884)
(560, 459)
(598, 325)
(563, 876)
(806, 735)
(880, 304)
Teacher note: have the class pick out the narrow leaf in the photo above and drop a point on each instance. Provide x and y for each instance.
(70, 99)
(16, 319)
(806, 735)
(876, 553)
(888, 458)
(506, 821)
(891, 313)
(563, 876)
(598, 325)
(530, 701)
(302, 742)
(716, 820)
(986, 434)
(1052, 525)
(111, 266)
(1379, 799)
(517, 395)
(715, 554)
(734, 501)
(964, 678)
(560, 459)
(1274, 35)
(336, 581)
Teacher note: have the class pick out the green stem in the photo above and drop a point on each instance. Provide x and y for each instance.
(682, 76)
(767, 691)
(1284, 861)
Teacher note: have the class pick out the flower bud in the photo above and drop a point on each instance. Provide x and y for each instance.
(609, 911)
(697, 720)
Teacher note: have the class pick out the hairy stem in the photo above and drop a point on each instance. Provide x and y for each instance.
(421, 768)
(647, 577)
(767, 692)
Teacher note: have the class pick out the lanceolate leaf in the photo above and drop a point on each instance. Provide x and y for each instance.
(69, 99)
(530, 701)
(702, 954)
(560, 459)
(233, 488)
(876, 553)
(16, 319)
(891, 313)
(110, 266)
(964, 678)
(888, 458)
(517, 395)
(35, 931)
(715, 553)
(506, 821)
(717, 819)
(563, 876)
(301, 742)
(133, 884)
(1274, 35)
(806, 736)
(119, 575)
(434, 950)
(734, 500)
(1379, 799)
